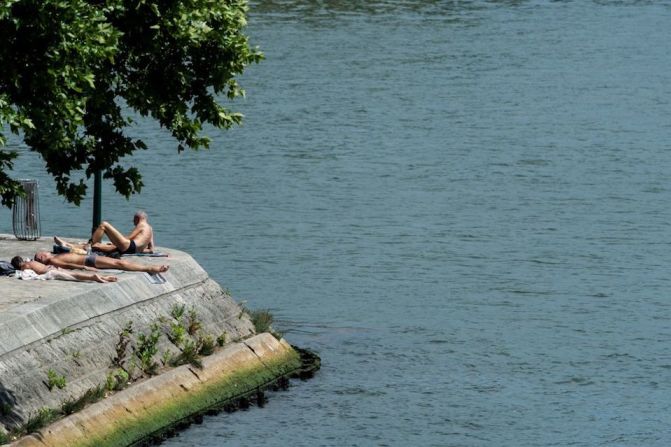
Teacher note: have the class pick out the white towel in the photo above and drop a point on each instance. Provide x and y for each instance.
(29, 274)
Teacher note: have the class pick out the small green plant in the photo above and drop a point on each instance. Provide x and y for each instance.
(55, 380)
(177, 311)
(66, 331)
(189, 354)
(117, 380)
(206, 345)
(146, 349)
(194, 323)
(176, 333)
(122, 345)
(4, 438)
(221, 339)
(43, 417)
(262, 320)
(90, 396)
(166, 358)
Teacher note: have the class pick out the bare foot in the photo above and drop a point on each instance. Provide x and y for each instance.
(158, 268)
(59, 241)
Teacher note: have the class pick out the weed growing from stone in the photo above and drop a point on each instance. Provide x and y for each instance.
(91, 395)
(55, 380)
(189, 354)
(194, 323)
(146, 349)
(122, 345)
(43, 417)
(262, 320)
(177, 311)
(177, 333)
(221, 339)
(117, 380)
(4, 439)
(206, 345)
(166, 358)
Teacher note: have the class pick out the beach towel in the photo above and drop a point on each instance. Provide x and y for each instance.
(29, 274)
(156, 254)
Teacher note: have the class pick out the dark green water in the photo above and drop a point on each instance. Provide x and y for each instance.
(462, 206)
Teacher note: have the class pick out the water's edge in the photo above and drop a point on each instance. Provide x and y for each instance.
(154, 409)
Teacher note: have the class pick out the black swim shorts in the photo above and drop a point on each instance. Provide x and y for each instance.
(90, 260)
(132, 248)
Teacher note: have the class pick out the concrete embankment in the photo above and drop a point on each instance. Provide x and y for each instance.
(60, 341)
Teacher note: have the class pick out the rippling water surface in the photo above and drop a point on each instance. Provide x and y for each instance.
(462, 206)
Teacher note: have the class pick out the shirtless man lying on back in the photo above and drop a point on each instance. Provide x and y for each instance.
(140, 240)
(92, 262)
(58, 273)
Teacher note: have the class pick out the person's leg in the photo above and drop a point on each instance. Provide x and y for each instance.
(121, 264)
(70, 245)
(98, 234)
(120, 241)
(104, 247)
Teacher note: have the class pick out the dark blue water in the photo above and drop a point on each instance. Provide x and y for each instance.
(462, 206)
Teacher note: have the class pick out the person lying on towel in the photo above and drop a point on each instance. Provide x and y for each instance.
(27, 269)
(93, 262)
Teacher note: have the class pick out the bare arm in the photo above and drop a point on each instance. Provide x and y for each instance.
(37, 267)
(150, 246)
(136, 232)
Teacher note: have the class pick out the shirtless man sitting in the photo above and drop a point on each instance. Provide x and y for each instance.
(23, 264)
(93, 262)
(140, 240)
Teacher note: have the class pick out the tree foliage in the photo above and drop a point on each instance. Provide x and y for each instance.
(75, 70)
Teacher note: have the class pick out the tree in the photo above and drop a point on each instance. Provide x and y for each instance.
(73, 71)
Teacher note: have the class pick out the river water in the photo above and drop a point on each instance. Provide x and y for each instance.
(461, 206)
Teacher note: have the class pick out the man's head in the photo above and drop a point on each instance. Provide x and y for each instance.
(42, 256)
(139, 217)
(17, 262)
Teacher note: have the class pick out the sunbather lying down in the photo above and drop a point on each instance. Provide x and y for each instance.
(93, 262)
(50, 272)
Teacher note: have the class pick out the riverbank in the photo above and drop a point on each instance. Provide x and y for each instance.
(64, 343)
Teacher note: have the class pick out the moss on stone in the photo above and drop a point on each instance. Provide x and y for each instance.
(210, 395)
